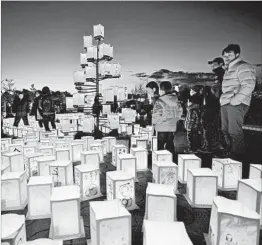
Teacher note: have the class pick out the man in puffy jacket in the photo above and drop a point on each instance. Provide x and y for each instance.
(166, 113)
(237, 87)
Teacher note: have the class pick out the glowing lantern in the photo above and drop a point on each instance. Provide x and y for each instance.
(255, 171)
(185, 162)
(76, 149)
(99, 31)
(111, 142)
(121, 185)
(88, 41)
(89, 140)
(229, 172)
(43, 164)
(141, 158)
(91, 158)
(83, 59)
(14, 191)
(15, 148)
(160, 203)
(31, 163)
(62, 154)
(110, 223)
(117, 150)
(14, 160)
(232, 222)
(142, 143)
(127, 163)
(199, 181)
(47, 150)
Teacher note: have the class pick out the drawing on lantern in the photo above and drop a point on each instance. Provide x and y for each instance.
(126, 191)
(233, 174)
(168, 176)
(90, 183)
(56, 177)
(109, 189)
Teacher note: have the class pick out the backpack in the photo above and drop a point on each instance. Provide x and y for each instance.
(46, 105)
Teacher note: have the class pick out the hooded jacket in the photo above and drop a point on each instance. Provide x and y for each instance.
(166, 113)
(20, 106)
(193, 118)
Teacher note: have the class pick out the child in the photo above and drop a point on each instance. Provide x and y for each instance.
(193, 124)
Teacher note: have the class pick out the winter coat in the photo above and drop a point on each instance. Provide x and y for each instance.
(193, 118)
(20, 106)
(238, 83)
(46, 112)
(35, 108)
(166, 113)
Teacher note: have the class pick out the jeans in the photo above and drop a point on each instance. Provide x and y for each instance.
(165, 141)
(194, 138)
(232, 119)
(46, 124)
(18, 118)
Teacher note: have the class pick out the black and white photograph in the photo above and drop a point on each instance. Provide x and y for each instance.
(131, 123)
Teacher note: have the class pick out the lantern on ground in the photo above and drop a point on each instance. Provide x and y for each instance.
(91, 158)
(141, 155)
(255, 171)
(43, 164)
(89, 140)
(127, 163)
(62, 154)
(31, 164)
(14, 160)
(117, 150)
(76, 148)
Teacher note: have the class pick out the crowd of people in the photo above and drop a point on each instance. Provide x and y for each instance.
(215, 114)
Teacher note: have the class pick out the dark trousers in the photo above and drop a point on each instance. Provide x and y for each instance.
(165, 141)
(40, 123)
(46, 124)
(18, 118)
(194, 140)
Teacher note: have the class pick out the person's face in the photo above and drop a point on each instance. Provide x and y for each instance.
(37, 94)
(150, 92)
(192, 92)
(20, 96)
(230, 56)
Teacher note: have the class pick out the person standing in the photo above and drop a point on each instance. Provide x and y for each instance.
(21, 108)
(166, 113)
(46, 108)
(237, 87)
(35, 111)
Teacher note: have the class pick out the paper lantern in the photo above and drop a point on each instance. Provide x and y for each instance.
(31, 164)
(83, 59)
(47, 135)
(66, 200)
(39, 190)
(62, 154)
(76, 149)
(255, 171)
(88, 41)
(121, 185)
(15, 160)
(185, 162)
(110, 223)
(43, 164)
(44, 241)
(160, 203)
(111, 142)
(62, 172)
(127, 163)
(129, 129)
(44, 143)
(91, 54)
(87, 177)
(113, 120)
(88, 124)
(142, 143)
(99, 31)
(31, 142)
(106, 109)
(47, 150)
(5, 167)
(199, 181)
(154, 143)
(90, 72)
(89, 140)
(13, 229)
(165, 173)
(115, 72)
(18, 141)
(107, 51)
(249, 193)
(172, 232)
(141, 158)
(29, 149)
(117, 150)
(14, 148)
(232, 222)
(5, 142)
(136, 129)
(134, 138)
(90, 158)
(14, 191)
(98, 147)
(229, 172)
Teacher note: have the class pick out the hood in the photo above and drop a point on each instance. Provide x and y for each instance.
(193, 106)
(169, 98)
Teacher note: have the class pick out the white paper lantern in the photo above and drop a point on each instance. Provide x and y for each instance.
(98, 147)
(136, 129)
(113, 120)
(229, 172)
(141, 158)
(88, 179)
(5, 142)
(249, 192)
(60, 143)
(255, 171)
(47, 150)
(18, 141)
(89, 140)
(233, 222)
(62, 154)
(44, 143)
(66, 200)
(14, 191)
(44, 241)
(185, 162)
(154, 143)
(142, 143)
(199, 181)
(88, 41)
(15, 160)
(14, 148)
(5, 167)
(39, 193)
(91, 158)
(127, 163)
(117, 150)
(30, 163)
(165, 173)
(76, 149)
(160, 203)
(99, 31)
(29, 149)
(129, 129)
(83, 59)
(111, 142)
(172, 232)
(47, 135)
(106, 109)
(13, 229)
(62, 172)
(121, 185)
(134, 138)
(90, 72)
(88, 124)
(110, 223)
(43, 164)
(31, 142)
